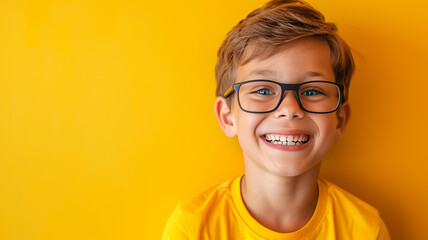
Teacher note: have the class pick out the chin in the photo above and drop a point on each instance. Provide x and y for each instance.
(293, 169)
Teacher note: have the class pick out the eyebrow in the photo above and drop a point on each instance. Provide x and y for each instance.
(314, 74)
(269, 73)
(262, 73)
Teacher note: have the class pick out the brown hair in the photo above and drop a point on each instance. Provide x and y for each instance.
(269, 29)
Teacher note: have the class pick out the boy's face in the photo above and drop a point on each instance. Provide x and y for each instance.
(304, 60)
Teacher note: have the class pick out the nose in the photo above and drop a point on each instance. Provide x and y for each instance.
(289, 108)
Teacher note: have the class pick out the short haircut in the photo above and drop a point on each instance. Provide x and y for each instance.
(269, 29)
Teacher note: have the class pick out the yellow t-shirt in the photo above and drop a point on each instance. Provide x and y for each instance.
(219, 214)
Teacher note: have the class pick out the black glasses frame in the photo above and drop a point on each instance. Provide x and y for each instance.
(284, 87)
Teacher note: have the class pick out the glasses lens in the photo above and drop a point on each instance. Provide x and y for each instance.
(259, 96)
(319, 96)
(264, 96)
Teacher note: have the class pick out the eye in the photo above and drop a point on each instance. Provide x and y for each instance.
(311, 92)
(264, 91)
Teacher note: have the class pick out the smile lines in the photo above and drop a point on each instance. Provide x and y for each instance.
(289, 140)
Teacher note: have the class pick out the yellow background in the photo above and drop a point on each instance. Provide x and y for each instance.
(106, 113)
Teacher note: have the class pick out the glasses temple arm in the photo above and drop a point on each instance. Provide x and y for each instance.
(228, 92)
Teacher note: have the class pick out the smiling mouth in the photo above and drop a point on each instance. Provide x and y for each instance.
(288, 140)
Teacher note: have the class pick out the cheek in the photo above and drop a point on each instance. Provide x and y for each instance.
(321, 124)
(327, 126)
(247, 124)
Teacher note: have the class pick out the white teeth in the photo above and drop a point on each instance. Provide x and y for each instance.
(289, 140)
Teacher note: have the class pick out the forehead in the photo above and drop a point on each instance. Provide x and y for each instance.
(299, 61)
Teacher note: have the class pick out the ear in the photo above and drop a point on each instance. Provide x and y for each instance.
(224, 117)
(343, 115)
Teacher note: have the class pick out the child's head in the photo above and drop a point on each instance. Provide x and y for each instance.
(270, 29)
(291, 72)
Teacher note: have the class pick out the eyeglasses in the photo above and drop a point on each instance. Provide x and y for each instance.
(264, 96)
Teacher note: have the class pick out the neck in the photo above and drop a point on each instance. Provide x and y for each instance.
(282, 204)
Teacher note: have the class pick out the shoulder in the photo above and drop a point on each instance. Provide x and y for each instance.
(190, 215)
(206, 199)
(350, 213)
(205, 207)
(346, 201)
(340, 196)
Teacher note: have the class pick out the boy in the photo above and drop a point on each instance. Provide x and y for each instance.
(282, 76)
